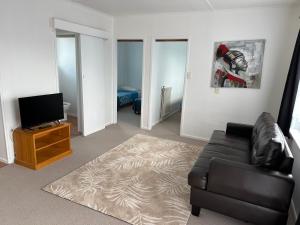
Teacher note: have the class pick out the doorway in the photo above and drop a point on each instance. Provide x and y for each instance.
(129, 82)
(169, 69)
(94, 68)
(68, 77)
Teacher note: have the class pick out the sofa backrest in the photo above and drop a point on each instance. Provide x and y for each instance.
(269, 147)
(286, 165)
(265, 120)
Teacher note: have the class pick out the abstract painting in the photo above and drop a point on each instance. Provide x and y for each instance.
(238, 64)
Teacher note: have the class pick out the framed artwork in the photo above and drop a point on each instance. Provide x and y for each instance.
(238, 64)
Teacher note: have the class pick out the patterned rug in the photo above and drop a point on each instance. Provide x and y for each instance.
(142, 181)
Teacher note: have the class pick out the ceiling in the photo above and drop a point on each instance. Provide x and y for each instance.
(129, 7)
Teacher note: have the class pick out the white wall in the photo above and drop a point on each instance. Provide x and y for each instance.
(28, 42)
(130, 64)
(66, 64)
(204, 109)
(169, 67)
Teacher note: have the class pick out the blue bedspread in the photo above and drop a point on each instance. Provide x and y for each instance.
(126, 97)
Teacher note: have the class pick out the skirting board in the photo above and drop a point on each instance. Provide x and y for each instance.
(109, 123)
(166, 117)
(194, 137)
(4, 160)
(146, 128)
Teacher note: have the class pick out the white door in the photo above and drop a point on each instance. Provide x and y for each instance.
(93, 83)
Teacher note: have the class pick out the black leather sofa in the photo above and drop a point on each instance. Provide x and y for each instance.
(245, 173)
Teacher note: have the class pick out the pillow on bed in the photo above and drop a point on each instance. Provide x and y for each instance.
(127, 88)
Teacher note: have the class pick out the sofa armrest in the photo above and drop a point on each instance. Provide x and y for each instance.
(197, 178)
(238, 129)
(248, 183)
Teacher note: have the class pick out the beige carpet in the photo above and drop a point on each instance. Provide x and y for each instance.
(2, 164)
(142, 181)
(22, 201)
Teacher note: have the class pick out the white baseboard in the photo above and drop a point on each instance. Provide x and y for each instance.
(293, 212)
(194, 137)
(109, 123)
(146, 128)
(165, 117)
(4, 160)
(93, 131)
(171, 114)
(157, 122)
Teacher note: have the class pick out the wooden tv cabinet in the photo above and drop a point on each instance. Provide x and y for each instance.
(38, 148)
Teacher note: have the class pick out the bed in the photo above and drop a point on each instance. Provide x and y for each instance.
(126, 97)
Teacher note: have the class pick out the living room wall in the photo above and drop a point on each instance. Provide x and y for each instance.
(28, 56)
(207, 109)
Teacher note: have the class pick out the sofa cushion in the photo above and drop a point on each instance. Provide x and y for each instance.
(265, 120)
(268, 148)
(221, 138)
(198, 175)
(250, 184)
(223, 152)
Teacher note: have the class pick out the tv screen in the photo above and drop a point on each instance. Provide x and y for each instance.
(37, 110)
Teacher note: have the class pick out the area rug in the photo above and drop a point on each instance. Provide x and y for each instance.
(142, 181)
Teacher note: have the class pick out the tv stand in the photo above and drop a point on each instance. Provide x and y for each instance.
(40, 147)
(43, 126)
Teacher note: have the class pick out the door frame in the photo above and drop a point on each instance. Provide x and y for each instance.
(79, 97)
(187, 39)
(80, 124)
(77, 29)
(115, 80)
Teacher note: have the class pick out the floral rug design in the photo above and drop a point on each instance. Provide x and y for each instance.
(143, 181)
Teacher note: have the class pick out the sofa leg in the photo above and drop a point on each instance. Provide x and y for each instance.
(195, 210)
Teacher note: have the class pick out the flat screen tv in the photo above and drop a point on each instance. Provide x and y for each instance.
(37, 110)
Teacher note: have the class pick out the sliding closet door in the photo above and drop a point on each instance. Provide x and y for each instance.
(93, 83)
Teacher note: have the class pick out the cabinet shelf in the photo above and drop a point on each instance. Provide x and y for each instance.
(48, 157)
(49, 144)
(36, 149)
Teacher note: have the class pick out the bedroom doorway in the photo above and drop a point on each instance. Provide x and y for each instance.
(68, 66)
(129, 81)
(169, 69)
